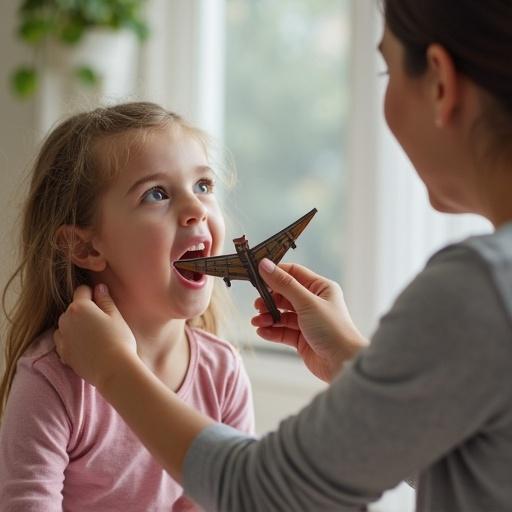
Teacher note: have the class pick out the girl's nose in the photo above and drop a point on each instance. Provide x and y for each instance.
(192, 211)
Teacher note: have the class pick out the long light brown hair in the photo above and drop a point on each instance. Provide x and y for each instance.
(67, 179)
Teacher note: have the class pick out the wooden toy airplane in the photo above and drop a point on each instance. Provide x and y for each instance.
(244, 264)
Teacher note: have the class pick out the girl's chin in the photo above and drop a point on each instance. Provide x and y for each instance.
(191, 305)
(186, 312)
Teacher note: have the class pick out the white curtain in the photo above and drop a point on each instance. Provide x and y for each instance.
(182, 65)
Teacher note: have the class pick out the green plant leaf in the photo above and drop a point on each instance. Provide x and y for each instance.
(33, 30)
(24, 82)
(72, 31)
(32, 5)
(68, 20)
(87, 76)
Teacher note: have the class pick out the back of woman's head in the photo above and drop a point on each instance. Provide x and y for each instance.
(476, 33)
(68, 177)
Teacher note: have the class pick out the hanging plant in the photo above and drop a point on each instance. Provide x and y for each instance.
(66, 22)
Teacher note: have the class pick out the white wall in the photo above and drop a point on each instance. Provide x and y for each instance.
(17, 139)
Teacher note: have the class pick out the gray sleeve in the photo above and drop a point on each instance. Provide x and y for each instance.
(425, 384)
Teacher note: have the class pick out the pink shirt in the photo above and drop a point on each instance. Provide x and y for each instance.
(62, 447)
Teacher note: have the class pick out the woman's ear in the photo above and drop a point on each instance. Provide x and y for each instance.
(446, 86)
(77, 243)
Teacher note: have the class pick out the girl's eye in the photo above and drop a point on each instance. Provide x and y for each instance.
(155, 195)
(204, 186)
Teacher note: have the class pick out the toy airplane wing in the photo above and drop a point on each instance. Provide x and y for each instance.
(228, 266)
(275, 247)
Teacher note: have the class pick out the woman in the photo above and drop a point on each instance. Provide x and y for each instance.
(431, 396)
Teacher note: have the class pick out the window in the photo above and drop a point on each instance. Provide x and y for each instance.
(285, 123)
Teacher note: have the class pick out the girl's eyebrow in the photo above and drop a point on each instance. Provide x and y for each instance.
(150, 177)
(204, 168)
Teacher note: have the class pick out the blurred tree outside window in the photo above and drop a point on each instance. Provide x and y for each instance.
(286, 104)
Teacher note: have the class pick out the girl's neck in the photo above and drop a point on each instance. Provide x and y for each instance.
(164, 349)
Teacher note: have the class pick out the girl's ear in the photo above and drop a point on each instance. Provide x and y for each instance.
(446, 86)
(77, 242)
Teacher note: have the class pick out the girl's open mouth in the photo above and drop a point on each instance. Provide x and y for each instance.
(197, 251)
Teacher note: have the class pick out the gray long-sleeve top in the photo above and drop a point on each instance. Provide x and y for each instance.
(430, 398)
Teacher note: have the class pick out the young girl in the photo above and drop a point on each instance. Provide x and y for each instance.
(117, 195)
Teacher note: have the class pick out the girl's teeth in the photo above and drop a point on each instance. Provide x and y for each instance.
(198, 247)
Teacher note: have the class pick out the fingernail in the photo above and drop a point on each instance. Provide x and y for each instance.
(101, 289)
(267, 265)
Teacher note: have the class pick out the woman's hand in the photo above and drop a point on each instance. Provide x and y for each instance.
(92, 336)
(314, 318)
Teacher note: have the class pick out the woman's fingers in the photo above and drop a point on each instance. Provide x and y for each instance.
(83, 292)
(288, 319)
(279, 301)
(303, 275)
(281, 335)
(284, 283)
(286, 331)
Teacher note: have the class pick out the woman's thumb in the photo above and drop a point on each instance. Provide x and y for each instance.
(103, 299)
(283, 283)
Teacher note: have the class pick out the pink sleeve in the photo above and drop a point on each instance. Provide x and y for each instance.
(33, 438)
(238, 409)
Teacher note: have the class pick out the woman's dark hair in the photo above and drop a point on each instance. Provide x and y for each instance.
(476, 33)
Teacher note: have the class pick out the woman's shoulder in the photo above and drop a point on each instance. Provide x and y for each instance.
(492, 249)
(479, 259)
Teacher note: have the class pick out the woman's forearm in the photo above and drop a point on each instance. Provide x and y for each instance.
(165, 425)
